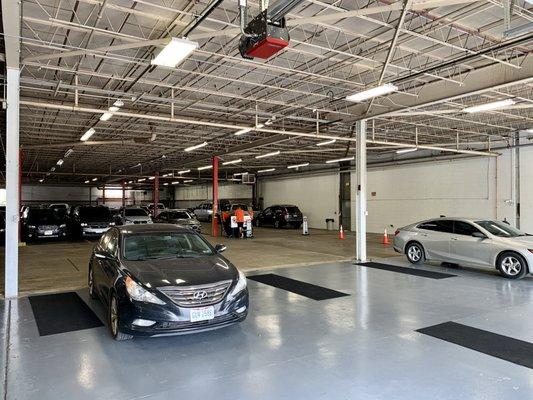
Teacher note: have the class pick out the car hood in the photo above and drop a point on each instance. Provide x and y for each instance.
(185, 221)
(136, 218)
(171, 272)
(521, 240)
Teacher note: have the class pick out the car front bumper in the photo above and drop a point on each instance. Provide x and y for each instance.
(92, 232)
(171, 319)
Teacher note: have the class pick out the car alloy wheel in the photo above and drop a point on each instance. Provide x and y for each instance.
(92, 293)
(415, 254)
(276, 224)
(113, 316)
(512, 266)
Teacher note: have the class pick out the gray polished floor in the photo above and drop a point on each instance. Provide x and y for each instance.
(363, 346)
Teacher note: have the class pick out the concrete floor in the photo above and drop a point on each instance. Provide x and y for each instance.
(363, 346)
(59, 266)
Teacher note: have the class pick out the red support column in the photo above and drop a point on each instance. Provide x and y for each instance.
(214, 220)
(156, 193)
(123, 193)
(103, 193)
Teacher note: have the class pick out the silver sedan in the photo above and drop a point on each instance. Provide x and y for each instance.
(468, 241)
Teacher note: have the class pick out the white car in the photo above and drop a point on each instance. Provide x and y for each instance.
(134, 215)
(468, 241)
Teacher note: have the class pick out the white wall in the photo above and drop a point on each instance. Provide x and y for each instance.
(190, 196)
(482, 187)
(316, 196)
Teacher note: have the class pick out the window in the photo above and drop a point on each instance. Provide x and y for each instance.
(445, 226)
(501, 229)
(177, 215)
(164, 245)
(112, 242)
(464, 228)
(163, 215)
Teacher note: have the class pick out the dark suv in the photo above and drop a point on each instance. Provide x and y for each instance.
(90, 221)
(43, 223)
(279, 216)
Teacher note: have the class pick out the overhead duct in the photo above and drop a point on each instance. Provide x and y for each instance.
(266, 34)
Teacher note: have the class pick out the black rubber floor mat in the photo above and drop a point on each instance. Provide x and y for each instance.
(62, 312)
(409, 271)
(302, 288)
(503, 347)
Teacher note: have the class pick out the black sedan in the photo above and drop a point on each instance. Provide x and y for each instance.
(43, 223)
(160, 279)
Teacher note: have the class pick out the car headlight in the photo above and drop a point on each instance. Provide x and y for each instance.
(138, 293)
(128, 222)
(62, 226)
(83, 224)
(111, 224)
(31, 226)
(239, 286)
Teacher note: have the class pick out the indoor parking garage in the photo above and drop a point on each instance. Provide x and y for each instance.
(284, 199)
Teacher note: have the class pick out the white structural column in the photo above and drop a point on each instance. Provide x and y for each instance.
(360, 199)
(11, 21)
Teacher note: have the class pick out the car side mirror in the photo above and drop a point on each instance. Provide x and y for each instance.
(103, 255)
(220, 248)
(479, 235)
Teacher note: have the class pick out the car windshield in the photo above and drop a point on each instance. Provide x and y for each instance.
(292, 210)
(164, 245)
(135, 212)
(94, 213)
(178, 215)
(43, 216)
(502, 229)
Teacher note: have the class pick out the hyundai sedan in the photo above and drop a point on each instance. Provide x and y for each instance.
(468, 241)
(160, 279)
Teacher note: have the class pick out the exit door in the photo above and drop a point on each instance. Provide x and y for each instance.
(345, 200)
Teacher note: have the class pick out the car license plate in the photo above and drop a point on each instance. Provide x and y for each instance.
(202, 314)
(48, 233)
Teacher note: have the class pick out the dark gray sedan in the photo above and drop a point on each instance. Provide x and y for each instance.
(179, 217)
(160, 279)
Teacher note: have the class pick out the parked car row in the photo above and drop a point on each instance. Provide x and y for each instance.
(60, 221)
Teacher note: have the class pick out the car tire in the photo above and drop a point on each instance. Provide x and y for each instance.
(92, 293)
(277, 225)
(256, 222)
(415, 253)
(114, 316)
(512, 265)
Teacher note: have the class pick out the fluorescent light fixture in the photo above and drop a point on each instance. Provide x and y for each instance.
(87, 135)
(174, 52)
(188, 181)
(371, 93)
(167, 175)
(185, 171)
(266, 170)
(175, 183)
(87, 181)
(118, 103)
(196, 146)
(60, 162)
(232, 162)
(490, 106)
(243, 131)
(204, 167)
(151, 178)
(409, 150)
(141, 180)
(241, 173)
(326, 142)
(94, 179)
(165, 184)
(41, 180)
(114, 108)
(68, 153)
(337, 160)
(259, 126)
(296, 166)
(106, 116)
(274, 153)
(136, 165)
(53, 169)
(130, 182)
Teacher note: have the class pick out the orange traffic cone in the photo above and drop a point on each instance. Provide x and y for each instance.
(341, 233)
(385, 241)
